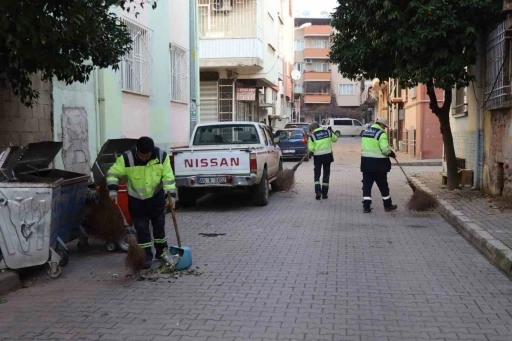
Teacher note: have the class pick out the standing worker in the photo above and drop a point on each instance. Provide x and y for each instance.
(149, 177)
(375, 164)
(320, 144)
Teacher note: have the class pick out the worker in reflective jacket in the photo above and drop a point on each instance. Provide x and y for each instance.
(149, 177)
(320, 144)
(375, 164)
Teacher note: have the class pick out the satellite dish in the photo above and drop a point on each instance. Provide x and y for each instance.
(296, 75)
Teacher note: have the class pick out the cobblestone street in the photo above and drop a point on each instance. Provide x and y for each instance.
(298, 269)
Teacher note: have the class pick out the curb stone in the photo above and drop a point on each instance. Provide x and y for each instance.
(419, 163)
(8, 281)
(497, 252)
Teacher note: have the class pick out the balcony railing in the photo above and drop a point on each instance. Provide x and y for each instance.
(223, 52)
(317, 31)
(317, 76)
(311, 53)
(317, 98)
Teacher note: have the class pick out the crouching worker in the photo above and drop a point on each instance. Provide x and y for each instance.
(149, 178)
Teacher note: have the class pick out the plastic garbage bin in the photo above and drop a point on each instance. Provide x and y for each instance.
(28, 211)
(107, 156)
(35, 162)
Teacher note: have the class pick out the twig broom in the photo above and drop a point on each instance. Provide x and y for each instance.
(420, 201)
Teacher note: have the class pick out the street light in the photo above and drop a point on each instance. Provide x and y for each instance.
(302, 26)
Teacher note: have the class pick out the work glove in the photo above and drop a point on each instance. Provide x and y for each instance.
(173, 198)
(112, 195)
(392, 154)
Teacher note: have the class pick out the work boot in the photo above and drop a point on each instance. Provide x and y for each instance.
(390, 208)
(325, 196)
(147, 264)
(367, 210)
(318, 195)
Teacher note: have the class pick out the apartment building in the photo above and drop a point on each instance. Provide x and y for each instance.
(245, 58)
(322, 91)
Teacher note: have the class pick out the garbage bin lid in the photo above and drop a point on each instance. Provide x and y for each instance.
(8, 159)
(37, 155)
(108, 154)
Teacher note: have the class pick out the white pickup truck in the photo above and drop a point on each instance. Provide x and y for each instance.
(226, 156)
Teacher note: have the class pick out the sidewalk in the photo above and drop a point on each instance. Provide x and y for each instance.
(408, 160)
(481, 218)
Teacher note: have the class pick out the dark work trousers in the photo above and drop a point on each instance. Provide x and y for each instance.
(150, 211)
(381, 179)
(324, 162)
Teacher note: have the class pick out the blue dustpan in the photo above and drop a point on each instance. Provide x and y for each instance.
(184, 251)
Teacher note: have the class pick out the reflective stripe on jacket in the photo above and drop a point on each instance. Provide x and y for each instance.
(320, 141)
(144, 179)
(375, 150)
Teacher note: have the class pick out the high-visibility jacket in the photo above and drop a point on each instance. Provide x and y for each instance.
(375, 150)
(320, 142)
(144, 179)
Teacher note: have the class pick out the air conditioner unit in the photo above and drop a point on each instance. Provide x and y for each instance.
(222, 5)
(308, 61)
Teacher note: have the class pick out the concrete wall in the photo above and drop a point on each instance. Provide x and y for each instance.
(497, 174)
(20, 125)
(75, 122)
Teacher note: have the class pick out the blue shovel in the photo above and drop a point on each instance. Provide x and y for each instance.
(184, 252)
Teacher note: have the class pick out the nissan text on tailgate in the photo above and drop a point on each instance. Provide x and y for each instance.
(227, 156)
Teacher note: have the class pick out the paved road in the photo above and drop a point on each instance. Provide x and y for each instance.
(299, 269)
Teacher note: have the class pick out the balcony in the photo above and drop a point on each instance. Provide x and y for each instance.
(317, 31)
(317, 99)
(314, 76)
(311, 53)
(231, 52)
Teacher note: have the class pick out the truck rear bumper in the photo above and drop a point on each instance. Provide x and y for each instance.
(232, 181)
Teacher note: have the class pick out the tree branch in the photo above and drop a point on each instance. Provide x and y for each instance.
(447, 99)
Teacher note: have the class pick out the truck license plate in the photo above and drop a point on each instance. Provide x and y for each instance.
(212, 181)
(289, 151)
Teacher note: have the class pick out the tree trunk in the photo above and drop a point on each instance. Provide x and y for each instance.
(443, 114)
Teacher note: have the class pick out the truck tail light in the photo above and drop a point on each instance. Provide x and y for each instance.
(253, 163)
(171, 159)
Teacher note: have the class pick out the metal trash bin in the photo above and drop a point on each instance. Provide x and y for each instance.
(35, 161)
(28, 211)
(107, 156)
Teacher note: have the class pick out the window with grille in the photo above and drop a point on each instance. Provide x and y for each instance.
(346, 89)
(497, 84)
(299, 67)
(179, 74)
(461, 105)
(137, 63)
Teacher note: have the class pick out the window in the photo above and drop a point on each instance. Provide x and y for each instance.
(357, 123)
(136, 64)
(343, 122)
(272, 35)
(299, 67)
(274, 95)
(179, 74)
(346, 89)
(298, 89)
(299, 45)
(226, 134)
(460, 102)
(412, 92)
(321, 67)
(320, 44)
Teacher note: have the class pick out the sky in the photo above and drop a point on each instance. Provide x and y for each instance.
(313, 8)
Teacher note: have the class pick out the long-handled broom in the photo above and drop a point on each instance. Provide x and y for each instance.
(420, 200)
(286, 178)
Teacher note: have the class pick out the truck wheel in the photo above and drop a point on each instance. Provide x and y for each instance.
(187, 196)
(262, 192)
